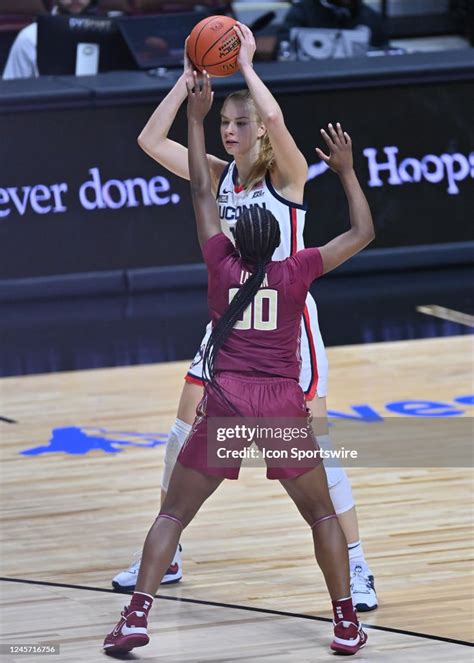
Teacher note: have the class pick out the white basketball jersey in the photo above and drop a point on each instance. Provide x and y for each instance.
(233, 200)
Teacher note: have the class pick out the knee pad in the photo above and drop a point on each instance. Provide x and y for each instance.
(177, 437)
(341, 492)
(338, 483)
(334, 473)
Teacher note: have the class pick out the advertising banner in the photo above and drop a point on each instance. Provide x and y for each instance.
(77, 194)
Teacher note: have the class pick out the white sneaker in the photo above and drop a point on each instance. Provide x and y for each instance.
(363, 593)
(126, 580)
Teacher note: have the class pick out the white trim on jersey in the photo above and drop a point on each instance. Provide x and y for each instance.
(232, 200)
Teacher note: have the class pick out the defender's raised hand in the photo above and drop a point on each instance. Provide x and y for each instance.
(204, 202)
(361, 232)
(340, 149)
(200, 95)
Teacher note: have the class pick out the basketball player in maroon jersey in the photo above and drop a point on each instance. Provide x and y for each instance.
(266, 163)
(253, 384)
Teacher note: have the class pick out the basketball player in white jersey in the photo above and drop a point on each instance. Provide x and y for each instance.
(267, 170)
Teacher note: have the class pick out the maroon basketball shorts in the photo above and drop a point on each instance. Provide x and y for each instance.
(256, 399)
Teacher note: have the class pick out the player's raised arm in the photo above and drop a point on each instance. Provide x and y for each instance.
(362, 231)
(205, 207)
(154, 137)
(291, 168)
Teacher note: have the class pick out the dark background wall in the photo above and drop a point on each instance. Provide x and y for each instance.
(137, 305)
(70, 200)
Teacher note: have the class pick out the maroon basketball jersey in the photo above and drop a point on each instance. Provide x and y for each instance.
(267, 338)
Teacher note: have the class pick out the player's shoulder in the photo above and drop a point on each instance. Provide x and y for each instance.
(285, 195)
(219, 167)
(303, 263)
(219, 240)
(217, 249)
(285, 270)
(306, 256)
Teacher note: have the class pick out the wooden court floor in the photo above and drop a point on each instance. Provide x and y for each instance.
(76, 507)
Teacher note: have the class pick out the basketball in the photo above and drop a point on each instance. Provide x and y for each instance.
(213, 45)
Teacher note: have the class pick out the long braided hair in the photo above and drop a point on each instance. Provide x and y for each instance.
(257, 235)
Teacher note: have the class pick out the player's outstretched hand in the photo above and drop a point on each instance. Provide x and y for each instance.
(340, 149)
(200, 95)
(247, 45)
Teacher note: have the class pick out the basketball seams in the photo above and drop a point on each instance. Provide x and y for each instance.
(225, 44)
(220, 38)
(211, 18)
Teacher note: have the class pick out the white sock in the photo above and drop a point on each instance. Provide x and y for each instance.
(356, 554)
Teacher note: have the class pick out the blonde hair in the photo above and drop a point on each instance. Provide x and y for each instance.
(266, 159)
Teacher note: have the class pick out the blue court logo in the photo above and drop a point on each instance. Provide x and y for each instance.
(79, 441)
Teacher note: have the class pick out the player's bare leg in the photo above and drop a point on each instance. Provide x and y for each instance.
(191, 396)
(362, 579)
(311, 496)
(187, 492)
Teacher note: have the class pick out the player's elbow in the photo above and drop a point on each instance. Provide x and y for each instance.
(369, 235)
(359, 239)
(145, 143)
(152, 148)
(273, 118)
(365, 237)
(141, 142)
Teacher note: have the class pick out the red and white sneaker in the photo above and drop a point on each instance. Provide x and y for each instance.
(348, 638)
(130, 632)
(125, 581)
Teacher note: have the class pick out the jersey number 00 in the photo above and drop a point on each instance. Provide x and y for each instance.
(253, 314)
